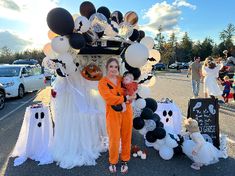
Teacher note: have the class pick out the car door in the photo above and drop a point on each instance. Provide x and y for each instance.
(26, 79)
(38, 78)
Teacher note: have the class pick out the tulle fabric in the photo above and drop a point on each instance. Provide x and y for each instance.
(79, 119)
(208, 154)
(34, 141)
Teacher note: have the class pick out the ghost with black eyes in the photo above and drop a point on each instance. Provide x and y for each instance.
(170, 116)
(35, 137)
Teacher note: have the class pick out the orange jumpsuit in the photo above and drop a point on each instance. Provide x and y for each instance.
(118, 124)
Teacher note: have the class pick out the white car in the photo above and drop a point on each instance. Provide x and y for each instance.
(18, 79)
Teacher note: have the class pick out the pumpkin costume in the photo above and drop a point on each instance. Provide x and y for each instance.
(118, 124)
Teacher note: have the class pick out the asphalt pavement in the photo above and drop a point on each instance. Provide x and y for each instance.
(172, 85)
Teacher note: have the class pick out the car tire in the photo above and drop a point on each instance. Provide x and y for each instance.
(21, 91)
(2, 99)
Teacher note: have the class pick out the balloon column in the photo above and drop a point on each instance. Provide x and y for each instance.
(153, 120)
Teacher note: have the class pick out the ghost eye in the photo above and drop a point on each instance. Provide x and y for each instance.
(36, 116)
(42, 115)
(164, 113)
(170, 113)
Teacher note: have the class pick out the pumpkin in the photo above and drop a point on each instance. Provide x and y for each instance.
(92, 72)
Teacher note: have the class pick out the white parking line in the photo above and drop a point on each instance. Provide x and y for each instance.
(9, 113)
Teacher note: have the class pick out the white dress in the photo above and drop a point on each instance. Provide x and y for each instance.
(210, 82)
(206, 152)
(79, 123)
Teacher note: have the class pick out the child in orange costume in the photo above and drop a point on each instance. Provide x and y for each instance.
(118, 124)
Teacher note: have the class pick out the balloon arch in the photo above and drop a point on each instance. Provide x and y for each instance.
(85, 43)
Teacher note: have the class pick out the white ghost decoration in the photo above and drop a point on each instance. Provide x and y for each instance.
(35, 136)
(170, 116)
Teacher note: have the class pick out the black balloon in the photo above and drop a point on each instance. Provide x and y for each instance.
(141, 35)
(117, 17)
(159, 124)
(159, 132)
(59, 73)
(138, 123)
(77, 41)
(135, 35)
(128, 67)
(151, 137)
(151, 103)
(87, 9)
(87, 38)
(146, 113)
(60, 21)
(136, 73)
(156, 118)
(105, 11)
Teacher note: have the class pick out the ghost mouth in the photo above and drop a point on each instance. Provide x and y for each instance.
(167, 119)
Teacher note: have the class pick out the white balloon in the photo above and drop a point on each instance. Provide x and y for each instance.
(144, 91)
(155, 54)
(166, 153)
(170, 142)
(143, 131)
(136, 55)
(48, 51)
(98, 22)
(109, 31)
(140, 103)
(48, 63)
(147, 68)
(82, 24)
(68, 65)
(125, 30)
(60, 44)
(148, 42)
(150, 125)
(156, 145)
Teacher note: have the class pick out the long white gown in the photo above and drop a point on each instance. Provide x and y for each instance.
(79, 119)
(206, 152)
(210, 82)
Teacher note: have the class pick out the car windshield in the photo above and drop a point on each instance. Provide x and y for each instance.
(9, 71)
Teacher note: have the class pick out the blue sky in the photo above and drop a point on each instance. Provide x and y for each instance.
(23, 22)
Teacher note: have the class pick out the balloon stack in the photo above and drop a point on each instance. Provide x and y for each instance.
(149, 123)
(99, 31)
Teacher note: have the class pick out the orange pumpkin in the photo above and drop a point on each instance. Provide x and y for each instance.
(92, 72)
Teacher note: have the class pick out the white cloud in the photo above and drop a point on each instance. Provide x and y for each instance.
(165, 15)
(9, 4)
(12, 41)
(32, 14)
(183, 3)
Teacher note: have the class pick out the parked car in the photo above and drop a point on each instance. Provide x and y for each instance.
(2, 96)
(179, 65)
(18, 79)
(26, 61)
(159, 66)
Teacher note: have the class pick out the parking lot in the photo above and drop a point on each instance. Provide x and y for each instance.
(176, 84)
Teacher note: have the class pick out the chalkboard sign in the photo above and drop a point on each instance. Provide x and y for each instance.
(205, 111)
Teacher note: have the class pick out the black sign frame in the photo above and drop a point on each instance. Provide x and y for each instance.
(206, 112)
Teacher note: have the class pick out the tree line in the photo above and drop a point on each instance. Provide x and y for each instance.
(185, 50)
(171, 50)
